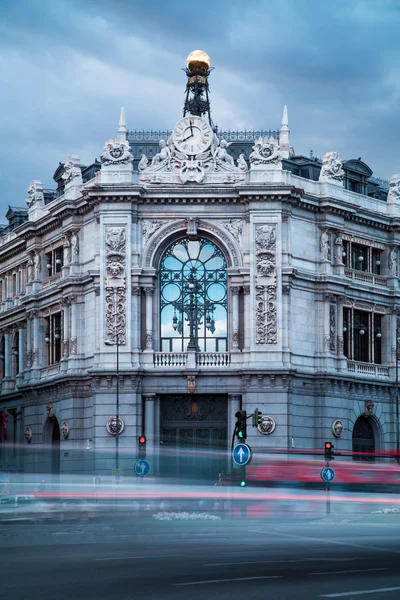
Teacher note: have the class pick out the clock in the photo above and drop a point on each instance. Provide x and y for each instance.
(192, 135)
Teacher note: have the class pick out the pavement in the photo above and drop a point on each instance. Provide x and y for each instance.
(228, 559)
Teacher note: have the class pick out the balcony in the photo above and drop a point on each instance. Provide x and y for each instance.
(51, 280)
(365, 277)
(368, 369)
(203, 359)
(50, 371)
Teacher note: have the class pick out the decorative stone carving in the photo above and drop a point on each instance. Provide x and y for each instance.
(369, 408)
(394, 189)
(28, 435)
(49, 410)
(241, 163)
(75, 248)
(191, 228)
(392, 260)
(116, 152)
(332, 328)
(65, 430)
(163, 157)
(234, 226)
(267, 425)
(31, 267)
(331, 168)
(337, 428)
(266, 310)
(67, 249)
(73, 345)
(143, 163)
(65, 348)
(174, 166)
(28, 356)
(338, 249)
(35, 194)
(72, 171)
(266, 151)
(191, 384)
(112, 426)
(38, 265)
(115, 284)
(149, 227)
(325, 246)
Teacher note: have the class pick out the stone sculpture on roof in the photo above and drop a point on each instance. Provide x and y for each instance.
(35, 194)
(192, 154)
(266, 151)
(394, 188)
(331, 168)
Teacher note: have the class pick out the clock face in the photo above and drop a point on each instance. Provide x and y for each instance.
(192, 135)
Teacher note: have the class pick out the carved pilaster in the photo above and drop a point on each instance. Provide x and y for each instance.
(266, 309)
(115, 284)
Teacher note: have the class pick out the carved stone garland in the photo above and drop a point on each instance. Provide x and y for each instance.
(115, 284)
(266, 309)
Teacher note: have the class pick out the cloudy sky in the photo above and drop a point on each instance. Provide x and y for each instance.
(67, 66)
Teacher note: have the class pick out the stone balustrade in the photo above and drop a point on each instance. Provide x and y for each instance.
(369, 369)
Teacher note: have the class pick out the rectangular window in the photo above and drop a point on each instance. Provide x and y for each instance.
(54, 261)
(54, 337)
(362, 336)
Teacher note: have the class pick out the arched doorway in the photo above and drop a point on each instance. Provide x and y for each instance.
(364, 438)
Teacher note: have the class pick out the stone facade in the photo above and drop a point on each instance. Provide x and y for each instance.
(306, 260)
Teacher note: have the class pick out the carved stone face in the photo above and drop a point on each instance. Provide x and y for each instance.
(115, 269)
(116, 152)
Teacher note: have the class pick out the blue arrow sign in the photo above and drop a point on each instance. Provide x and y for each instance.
(241, 454)
(142, 468)
(327, 474)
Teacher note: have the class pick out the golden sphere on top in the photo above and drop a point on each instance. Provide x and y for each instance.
(198, 61)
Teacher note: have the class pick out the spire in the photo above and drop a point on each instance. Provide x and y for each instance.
(284, 134)
(122, 131)
(285, 122)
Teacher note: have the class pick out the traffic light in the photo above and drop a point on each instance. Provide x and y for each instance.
(241, 425)
(257, 418)
(142, 447)
(329, 451)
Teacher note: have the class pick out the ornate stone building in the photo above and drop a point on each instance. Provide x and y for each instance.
(211, 271)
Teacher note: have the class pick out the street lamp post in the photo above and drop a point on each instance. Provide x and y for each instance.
(116, 343)
(194, 310)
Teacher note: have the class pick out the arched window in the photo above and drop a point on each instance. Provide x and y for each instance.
(193, 297)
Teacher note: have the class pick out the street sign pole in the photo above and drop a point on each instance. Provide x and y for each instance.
(328, 495)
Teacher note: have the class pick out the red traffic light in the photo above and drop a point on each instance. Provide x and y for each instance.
(328, 446)
(142, 439)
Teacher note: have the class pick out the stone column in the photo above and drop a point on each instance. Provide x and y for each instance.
(136, 311)
(340, 342)
(235, 318)
(36, 338)
(7, 354)
(28, 342)
(247, 313)
(73, 346)
(149, 411)
(66, 332)
(149, 318)
(21, 348)
(286, 322)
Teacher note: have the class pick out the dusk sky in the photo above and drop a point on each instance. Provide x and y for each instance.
(67, 66)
